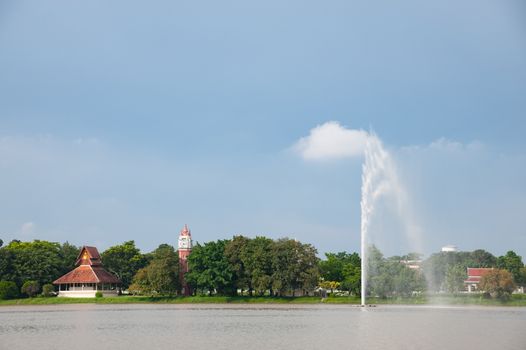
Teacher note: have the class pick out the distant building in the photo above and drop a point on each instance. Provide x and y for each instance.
(185, 248)
(449, 248)
(88, 278)
(474, 277)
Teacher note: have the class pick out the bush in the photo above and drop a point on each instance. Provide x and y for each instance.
(30, 288)
(48, 290)
(8, 290)
(98, 295)
(498, 283)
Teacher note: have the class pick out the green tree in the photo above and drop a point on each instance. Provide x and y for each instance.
(392, 277)
(236, 251)
(258, 262)
(351, 279)
(436, 266)
(294, 266)
(124, 260)
(68, 255)
(7, 269)
(8, 290)
(344, 268)
(161, 275)
(30, 288)
(513, 263)
(210, 270)
(482, 258)
(37, 261)
(498, 283)
(455, 277)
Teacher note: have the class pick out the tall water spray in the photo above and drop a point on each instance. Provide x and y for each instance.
(380, 179)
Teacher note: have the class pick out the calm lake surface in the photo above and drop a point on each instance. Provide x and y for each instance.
(261, 327)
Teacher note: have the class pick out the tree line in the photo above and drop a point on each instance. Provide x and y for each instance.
(255, 266)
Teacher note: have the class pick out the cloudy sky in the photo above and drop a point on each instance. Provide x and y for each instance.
(123, 120)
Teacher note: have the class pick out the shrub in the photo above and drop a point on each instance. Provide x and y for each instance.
(498, 283)
(48, 290)
(8, 290)
(98, 295)
(30, 288)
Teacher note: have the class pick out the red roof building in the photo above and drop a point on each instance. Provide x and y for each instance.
(474, 277)
(88, 278)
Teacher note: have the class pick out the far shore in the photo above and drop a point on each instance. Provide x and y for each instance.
(515, 300)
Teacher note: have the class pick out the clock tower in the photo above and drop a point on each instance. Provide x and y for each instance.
(185, 248)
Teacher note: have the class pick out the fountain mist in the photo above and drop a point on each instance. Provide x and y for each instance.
(380, 179)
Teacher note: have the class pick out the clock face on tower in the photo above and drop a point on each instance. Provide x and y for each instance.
(184, 242)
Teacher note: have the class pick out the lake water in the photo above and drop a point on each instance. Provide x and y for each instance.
(246, 327)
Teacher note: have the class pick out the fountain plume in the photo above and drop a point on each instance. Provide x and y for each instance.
(380, 179)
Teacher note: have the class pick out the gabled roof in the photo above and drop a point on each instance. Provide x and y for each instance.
(93, 256)
(88, 274)
(475, 274)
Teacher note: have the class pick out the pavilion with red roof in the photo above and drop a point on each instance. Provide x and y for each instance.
(474, 277)
(88, 278)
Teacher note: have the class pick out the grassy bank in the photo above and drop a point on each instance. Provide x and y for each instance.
(516, 300)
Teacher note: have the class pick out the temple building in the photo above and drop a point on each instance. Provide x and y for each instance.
(185, 248)
(88, 278)
(474, 277)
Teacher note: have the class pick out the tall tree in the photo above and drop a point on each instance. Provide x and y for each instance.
(124, 260)
(511, 262)
(37, 261)
(455, 277)
(294, 265)
(68, 255)
(482, 258)
(161, 276)
(237, 255)
(210, 270)
(258, 262)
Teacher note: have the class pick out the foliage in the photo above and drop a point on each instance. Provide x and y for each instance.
(498, 283)
(39, 261)
(8, 290)
(258, 259)
(30, 288)
(294, 266)
(237, 254)
(344, 268)
(68, 254)
(98, 294)
(124, 260)
(455, 277)
(522, 277)
(513, 263)
(161, 276)
(392, 277)
(437, 265)
(332, 285)
(210, 270)
(48, 290)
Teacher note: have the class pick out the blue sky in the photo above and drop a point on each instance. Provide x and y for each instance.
(126, 120)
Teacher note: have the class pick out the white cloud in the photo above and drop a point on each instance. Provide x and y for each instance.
(331, 141)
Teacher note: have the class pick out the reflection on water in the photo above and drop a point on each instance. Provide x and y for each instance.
(260, 327)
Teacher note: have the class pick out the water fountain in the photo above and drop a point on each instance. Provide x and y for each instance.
(380, 179)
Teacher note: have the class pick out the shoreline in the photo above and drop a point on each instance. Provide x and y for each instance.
(516, 300)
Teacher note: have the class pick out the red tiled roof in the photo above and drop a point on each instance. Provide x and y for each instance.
(478, 272)
(88, 274)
